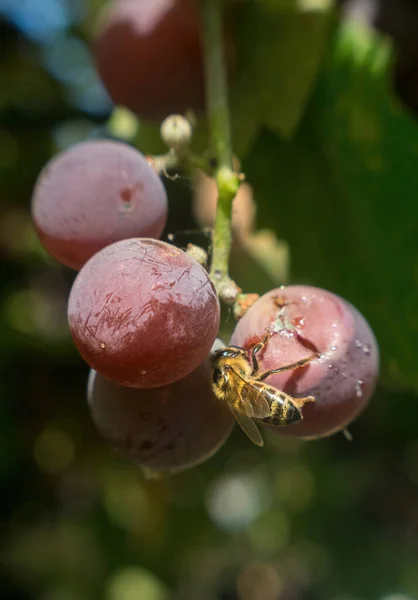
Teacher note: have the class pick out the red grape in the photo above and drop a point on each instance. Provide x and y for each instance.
(143, 313)
(149, 54)
(305, 320)
(169, 428)
(93, 194)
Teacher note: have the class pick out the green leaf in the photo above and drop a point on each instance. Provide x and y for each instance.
(280, 44)
(344, 193)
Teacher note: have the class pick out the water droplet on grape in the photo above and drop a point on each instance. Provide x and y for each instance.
(333, 348)
(103, 345)
(359, 388)
(298, 321)
(358, 344)
(367, 349)
(287, 333)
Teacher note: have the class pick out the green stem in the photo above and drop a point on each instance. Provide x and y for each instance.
(216, 88)
(226, 179)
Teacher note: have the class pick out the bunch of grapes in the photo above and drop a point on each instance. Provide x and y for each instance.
(144, 314)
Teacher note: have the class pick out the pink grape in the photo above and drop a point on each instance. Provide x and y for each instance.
(143, 313)
(93, 194)
(149, 54)
(169, 428)
(305, 320)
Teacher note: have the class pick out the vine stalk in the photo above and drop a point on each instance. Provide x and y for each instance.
(227, 180)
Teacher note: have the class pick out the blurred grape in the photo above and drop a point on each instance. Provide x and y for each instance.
(169, 428)
(149, 55)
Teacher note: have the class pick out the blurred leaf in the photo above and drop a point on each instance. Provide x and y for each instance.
(343, 193)
(280, 45)
(270, 253)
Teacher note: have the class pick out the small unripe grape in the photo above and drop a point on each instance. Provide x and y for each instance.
(176, 131)
(168, 428)
(93, 194)
(305, 320)
(143, 313)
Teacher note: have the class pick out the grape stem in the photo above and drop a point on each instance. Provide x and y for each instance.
(227, 180)
(175, 161)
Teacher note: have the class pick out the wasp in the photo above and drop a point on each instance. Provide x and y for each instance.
(238, 382)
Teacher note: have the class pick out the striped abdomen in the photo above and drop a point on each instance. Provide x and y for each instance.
(282, 409)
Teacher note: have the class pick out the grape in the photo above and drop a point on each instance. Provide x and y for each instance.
(143, 313)
(149, 55)
(306, 320)
(93, 194)
(172, 427)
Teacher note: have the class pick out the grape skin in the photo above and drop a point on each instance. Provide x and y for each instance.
(342, 379)
(143, 313)
(93, 194)
(170, 428)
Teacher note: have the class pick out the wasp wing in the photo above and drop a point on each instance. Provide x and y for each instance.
(248, 398)
(248, 426)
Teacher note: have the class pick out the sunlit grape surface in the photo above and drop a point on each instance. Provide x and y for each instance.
(143, 313)
(294, 520)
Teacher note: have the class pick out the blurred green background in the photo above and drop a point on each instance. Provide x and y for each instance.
(333, 164)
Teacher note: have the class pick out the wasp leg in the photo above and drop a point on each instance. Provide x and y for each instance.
(296, 365)
(255, 349)
(300, 402)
